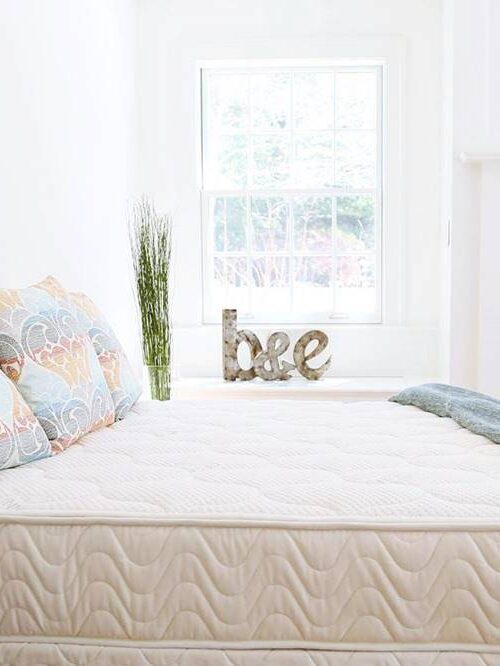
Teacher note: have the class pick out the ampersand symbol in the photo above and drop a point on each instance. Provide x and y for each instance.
(277, 345)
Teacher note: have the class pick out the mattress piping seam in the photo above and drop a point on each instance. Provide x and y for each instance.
(286, 524)
(256, 645)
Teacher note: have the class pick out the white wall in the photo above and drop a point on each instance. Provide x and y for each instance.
(97, 105)
(170, 32)
(67, 147)
(472, 192)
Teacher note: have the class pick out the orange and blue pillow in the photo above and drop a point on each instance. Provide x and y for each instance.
(47, 353)
(124, 387)
(22, 438)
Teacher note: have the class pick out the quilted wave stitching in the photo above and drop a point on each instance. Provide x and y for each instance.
(159, 583)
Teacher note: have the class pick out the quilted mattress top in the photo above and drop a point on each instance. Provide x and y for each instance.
(273, 461)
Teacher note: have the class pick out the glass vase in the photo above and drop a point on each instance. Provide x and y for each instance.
(159, 382)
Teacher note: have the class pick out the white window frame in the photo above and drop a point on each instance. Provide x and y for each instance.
(211, 314)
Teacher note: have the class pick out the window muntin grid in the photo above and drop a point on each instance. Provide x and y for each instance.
(292, 193)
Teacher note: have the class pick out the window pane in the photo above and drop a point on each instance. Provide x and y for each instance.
(355, 100)
(355, 224)
(355, 289)
(229, 215)
(355, 159)
(270, 99)
(313, 284)
(313, 100)
(313, 160)
(271, 281)
(271, 161)
(313, 224)
(269, 224)
(227, 162)
(228, 95)
(271, 271)
(231, 271)
(230, 286)
(275, 140)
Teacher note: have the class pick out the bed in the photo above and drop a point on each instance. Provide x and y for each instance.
(249, 533)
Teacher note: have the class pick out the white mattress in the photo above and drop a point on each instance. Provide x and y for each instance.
(228, 528)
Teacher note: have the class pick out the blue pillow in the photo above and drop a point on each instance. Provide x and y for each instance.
(477, 412)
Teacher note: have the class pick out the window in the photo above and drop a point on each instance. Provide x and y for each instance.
(292, 192)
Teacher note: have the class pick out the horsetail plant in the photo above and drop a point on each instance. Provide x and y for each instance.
(150, 241)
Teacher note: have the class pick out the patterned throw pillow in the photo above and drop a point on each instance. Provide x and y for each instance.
(49, 356)
(124, 387)
(22, 438)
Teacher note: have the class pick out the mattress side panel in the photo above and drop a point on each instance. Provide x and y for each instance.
(187, 583)
(12, 654)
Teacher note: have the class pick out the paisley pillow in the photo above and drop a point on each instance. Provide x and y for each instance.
(49, 356)
(124, 387)
(22, 438)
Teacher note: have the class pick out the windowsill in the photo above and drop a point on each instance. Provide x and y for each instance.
(329, 388)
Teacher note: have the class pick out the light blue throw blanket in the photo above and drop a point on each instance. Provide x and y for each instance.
(475, 411)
